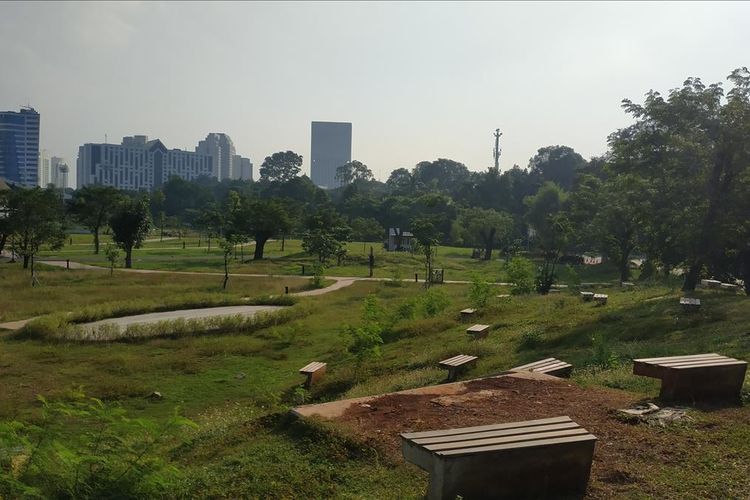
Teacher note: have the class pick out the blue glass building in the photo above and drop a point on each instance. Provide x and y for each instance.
(19, 146)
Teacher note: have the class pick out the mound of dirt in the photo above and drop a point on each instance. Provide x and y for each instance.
(621, 450)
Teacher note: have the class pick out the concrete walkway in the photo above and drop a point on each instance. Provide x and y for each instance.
(207, 312)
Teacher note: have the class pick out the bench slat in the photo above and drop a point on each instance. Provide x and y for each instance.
(526, 444)
(495, 433)
(461, 359)
(693, 361)
(481, 428)
(529, 366)
(671, 358)
(708, 365)
(479, 444)
(312, 367)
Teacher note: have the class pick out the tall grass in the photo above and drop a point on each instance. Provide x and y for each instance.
(59, 327)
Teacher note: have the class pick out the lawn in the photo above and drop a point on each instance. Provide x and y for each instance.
(170, 255)
(238, 388)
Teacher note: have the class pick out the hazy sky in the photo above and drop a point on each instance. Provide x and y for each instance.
(417, 80)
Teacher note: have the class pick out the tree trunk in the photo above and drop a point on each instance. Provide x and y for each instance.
(283, 241)
(488, 244)
(128, 257)
(3, 239)
(260, 244)
(25, 261)
(226, 273)
(96, 241)
(745, 269)
(691, 277)
(624, 265)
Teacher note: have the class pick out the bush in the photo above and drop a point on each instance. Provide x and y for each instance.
(531, 338)
(480, 292)
(117, 457)
(521, 273)
(317, 280)
(434, 301)
(395, 279)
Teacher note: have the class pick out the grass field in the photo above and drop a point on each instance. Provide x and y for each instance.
(170, 255)
(238, 388)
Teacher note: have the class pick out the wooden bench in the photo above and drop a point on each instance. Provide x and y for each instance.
(690, 304)
(601, 299)
(467, 313)
(456, 363)
(729, 287)
(478, 331)
(627, 284)
(314, 372)
(587, 296)
(546, 458)
(549, 366)
(696, 378)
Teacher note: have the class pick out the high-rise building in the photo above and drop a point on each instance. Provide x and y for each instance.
(138, 163)
(19, 146)
(58, 172)
(331, 147)
(242, 168)
(44, 170)
(221, 148)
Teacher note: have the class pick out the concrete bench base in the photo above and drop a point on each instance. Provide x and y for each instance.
(697, 378)
(548, 458)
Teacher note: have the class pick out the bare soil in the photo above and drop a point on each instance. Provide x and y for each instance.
(621, 450)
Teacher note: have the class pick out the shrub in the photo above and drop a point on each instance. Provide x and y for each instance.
(317, 280)
(117, 457)
(480, 292)
(521, 273)
(531, 338)
(395, 279)
(434, 301)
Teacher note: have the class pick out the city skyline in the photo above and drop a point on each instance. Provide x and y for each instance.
(413, 92)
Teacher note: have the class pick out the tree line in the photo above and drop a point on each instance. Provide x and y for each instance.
(673, 187)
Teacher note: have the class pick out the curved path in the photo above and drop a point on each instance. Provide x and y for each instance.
(207, 312)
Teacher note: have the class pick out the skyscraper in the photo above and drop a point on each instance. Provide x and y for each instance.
(58, 172)
(221, 148)
(331, 147)
(19, 146)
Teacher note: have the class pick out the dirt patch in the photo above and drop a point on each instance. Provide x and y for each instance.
(621, 449)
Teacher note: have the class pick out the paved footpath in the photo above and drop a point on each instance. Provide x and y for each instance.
(206, 312)
(340, 282)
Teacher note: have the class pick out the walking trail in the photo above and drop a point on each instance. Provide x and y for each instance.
(339, 283)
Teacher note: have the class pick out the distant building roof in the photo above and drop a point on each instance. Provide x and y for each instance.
(392, 232)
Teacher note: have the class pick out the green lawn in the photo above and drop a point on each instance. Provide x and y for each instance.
(170, 255)
(238, 387)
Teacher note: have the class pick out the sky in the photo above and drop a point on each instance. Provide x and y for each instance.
(419, 81)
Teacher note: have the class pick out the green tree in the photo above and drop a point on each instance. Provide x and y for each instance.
(113, 255)
(366, 230)
(365, 340)
(35, 217)
(521, 274)
(353, 171)
(92, 206)
(691, 148)
(558, 164)
(282, 166)
(326, 235)
(130, 224)
(553, 230)
(226, 246)
(485, 227)
(260, 220)
(428, 237)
